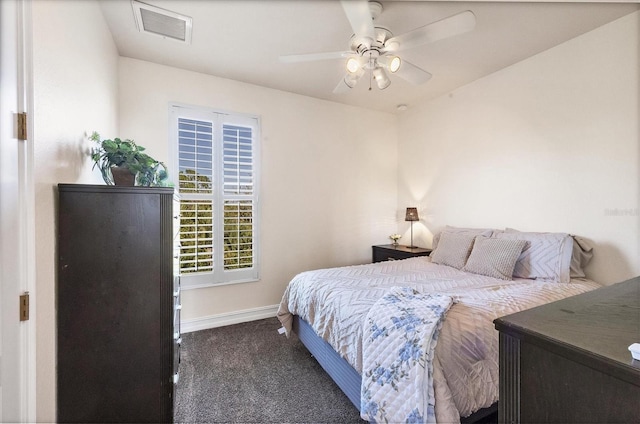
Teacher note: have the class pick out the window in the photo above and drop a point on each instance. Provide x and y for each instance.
(215, 173)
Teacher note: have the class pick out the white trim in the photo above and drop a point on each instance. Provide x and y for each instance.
(190, 285)
(28, 270)
(229, 318)
(21, 277)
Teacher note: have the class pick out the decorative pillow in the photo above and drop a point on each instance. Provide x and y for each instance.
(453, 250)
(494, 257)
(461, 230)
(580, 257)
(547, 256)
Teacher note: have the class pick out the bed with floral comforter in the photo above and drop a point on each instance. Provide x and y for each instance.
(336, 303)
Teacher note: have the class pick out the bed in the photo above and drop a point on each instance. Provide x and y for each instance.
(486, 273)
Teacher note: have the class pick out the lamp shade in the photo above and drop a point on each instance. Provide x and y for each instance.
(412, 214)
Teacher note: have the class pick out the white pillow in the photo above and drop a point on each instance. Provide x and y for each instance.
(494, 257)
(461, 230)
(453, 250)
(547, 255)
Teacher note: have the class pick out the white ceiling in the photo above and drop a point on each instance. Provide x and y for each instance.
(242, 40)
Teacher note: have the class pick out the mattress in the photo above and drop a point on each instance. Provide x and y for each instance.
(335, 301)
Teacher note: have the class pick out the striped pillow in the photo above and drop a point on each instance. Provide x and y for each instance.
(453, 250)
(547, 255)
(494, 257)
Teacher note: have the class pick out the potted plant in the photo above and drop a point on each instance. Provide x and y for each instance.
(123, 162)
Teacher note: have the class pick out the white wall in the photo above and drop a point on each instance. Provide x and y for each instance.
(328, 174)
(75, 91)
(548, 144)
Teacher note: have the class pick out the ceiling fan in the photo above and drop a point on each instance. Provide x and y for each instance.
(374, 48)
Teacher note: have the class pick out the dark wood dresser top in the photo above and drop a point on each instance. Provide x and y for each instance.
(595, 328)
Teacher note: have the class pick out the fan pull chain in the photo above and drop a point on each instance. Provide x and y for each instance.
(370, 71)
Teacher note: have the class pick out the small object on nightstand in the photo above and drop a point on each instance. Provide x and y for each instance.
(389, 252)
(635, 351)
(395, 238)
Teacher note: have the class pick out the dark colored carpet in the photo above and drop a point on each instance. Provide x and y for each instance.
(248, 373)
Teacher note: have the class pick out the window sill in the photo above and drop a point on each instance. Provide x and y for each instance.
(187, 286)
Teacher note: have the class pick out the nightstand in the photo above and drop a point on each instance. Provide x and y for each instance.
(389, 252)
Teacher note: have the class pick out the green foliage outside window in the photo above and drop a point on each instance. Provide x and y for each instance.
(196, 233)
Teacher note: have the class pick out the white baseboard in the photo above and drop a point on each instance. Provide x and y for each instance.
(220, 320)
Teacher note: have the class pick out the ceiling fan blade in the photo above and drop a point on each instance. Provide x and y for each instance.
(359, 16)
(447, 27)
(309, 57)
(411, 73)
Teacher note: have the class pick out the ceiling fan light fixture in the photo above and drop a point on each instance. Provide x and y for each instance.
(392, 63)
(353, 65)
(351, 79)
(391, 45)
(381, 78)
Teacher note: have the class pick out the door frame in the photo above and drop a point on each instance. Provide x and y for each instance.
(19, 214)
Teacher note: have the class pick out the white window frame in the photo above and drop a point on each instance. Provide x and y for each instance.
(219, 276)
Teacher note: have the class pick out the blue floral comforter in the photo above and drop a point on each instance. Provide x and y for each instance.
(400, 335)
(336, 301)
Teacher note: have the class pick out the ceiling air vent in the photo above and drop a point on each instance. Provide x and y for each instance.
(161, 22)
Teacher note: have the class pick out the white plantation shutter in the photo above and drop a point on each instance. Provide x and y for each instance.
(237, 160)
(195, 155)
(215, 163)
(195, 186)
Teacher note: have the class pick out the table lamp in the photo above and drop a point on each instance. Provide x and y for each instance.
(412, 215)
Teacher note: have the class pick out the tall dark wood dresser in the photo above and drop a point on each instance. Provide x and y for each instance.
(117, 304)
(568, 361)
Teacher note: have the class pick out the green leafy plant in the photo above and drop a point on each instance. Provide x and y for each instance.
(127, 154)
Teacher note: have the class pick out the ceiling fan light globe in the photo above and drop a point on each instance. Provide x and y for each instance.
(394, 64)
(391, 63)
(350, 81)
(382, 84)
(391, 46)
(381, 78)
(353, 65)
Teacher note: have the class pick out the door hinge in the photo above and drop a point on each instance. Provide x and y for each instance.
(24, 307)
(22, 125)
